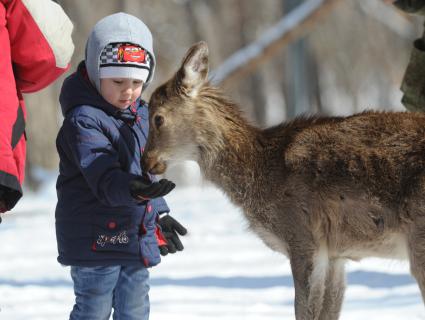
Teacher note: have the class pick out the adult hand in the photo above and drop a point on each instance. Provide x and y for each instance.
(3, 208)
(3, 203)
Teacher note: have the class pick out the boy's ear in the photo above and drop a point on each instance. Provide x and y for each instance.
(193, 72)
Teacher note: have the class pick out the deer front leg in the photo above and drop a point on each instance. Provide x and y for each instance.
(417, 252)
(334, 291)
(309, 272)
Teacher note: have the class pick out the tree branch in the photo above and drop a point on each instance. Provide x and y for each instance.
(292, 26)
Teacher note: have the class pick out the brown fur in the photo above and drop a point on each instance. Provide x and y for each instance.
(320, 189)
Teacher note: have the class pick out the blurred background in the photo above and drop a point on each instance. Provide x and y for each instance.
(350, 59)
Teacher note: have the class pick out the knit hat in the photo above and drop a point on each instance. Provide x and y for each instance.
(124, 60)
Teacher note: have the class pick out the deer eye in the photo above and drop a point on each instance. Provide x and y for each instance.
(158, 120)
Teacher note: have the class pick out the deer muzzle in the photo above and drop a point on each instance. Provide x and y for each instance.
(152, 164)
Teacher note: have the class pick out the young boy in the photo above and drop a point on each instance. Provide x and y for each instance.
(106, 216)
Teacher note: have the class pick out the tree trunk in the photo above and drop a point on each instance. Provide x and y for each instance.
(301, 79)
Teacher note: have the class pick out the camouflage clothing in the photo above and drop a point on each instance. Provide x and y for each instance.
(413, 85)
(411, 6)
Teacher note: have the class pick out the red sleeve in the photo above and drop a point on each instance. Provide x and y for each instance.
(29, 61)
(12, 116)
(33, 58)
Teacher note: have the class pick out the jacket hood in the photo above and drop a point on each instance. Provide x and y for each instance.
(118, 27)
(77, 90)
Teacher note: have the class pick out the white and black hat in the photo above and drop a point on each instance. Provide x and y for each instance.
(124, 60)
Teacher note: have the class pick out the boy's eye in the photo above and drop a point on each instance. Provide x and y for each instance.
(117, 81)
(137, 82)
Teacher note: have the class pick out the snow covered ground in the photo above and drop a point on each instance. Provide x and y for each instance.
(224, 272)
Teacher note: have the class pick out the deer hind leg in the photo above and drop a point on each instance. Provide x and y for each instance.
(334, 292)
(417, 252)
(309, 272)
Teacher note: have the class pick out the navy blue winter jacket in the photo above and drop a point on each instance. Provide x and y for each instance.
(98, 223)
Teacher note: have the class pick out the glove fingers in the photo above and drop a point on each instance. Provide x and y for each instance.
(177, 243)
(167, 186)
(140, 184)
(179, 228)
(143, 189)
(147, 192)
(170, 246)
(160, 192)
(168, 223)
(164, 189)
(171, 186)
(163, 250)
(152, 190)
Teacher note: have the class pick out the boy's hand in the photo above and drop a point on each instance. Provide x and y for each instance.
(170, 227)
(143, 189)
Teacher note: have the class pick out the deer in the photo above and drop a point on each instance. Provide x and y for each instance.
(319, 189)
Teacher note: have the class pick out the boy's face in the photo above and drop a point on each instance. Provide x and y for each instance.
(120, 92)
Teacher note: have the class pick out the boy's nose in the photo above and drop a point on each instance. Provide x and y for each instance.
(128, 90)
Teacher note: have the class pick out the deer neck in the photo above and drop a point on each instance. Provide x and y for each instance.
(230, 151)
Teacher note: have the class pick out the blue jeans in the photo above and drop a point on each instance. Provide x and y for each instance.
(99, 289)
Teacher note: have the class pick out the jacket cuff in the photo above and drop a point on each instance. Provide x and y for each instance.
(14, 192)
(160, 205)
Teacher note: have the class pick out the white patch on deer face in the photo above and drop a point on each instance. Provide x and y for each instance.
(186, 151)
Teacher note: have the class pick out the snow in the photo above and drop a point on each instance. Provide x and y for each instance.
(224, 272)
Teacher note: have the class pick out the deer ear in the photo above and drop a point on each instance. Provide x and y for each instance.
(193, 72)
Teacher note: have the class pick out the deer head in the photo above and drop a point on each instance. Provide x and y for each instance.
(172, 113)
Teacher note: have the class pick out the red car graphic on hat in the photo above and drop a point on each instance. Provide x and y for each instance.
(130, 53)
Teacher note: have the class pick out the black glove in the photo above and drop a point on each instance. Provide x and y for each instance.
(170, 227)
(3, 199)
(143, 189)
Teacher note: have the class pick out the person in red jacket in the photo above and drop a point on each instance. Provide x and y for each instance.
(36, 48)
